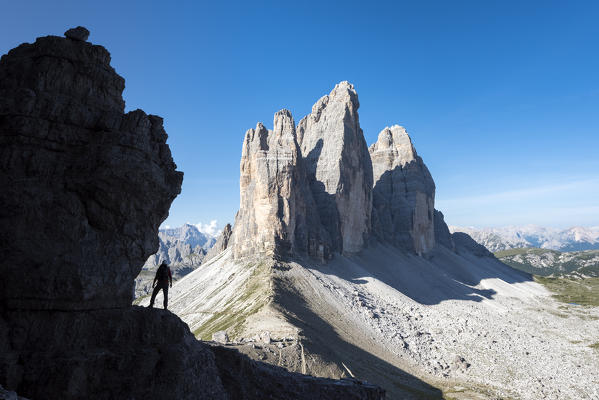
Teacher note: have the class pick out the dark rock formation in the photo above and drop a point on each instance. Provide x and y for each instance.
(442, 234)
(464, 244)
(113, 353)
(239, 375)
(403, 194)
(85, 190)
(85, 185)
(80, 33)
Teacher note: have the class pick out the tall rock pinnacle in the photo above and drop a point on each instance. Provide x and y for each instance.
(270, 189)
(403, 194)
(338, 167)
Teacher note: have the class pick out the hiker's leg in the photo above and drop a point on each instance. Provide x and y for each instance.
(165, 293)
(154, 293)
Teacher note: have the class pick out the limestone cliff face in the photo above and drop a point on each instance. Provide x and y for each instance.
(276, 215)
(318, 189)
(85, 186)
(403, 193)
(266, 220)
(85, 190)
(338, 167)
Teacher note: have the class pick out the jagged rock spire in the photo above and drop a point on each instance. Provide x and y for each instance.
(403, 194)
(265, 222)
(338, 167)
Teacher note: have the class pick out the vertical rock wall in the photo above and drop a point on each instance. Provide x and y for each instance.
(404, 192)
(266, 220)
(85, 186)
(338, 167)
(276, 215)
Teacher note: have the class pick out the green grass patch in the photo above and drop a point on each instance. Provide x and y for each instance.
(594, 346)
(584, 292)
(256, 294)
(524, 250)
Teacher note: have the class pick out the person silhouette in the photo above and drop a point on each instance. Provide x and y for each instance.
(161, 281)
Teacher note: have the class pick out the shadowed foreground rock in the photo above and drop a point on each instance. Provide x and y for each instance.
(85, 190)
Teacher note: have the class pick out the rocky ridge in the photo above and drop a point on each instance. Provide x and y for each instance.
(97, 183)
(546, 262)
(577, 238)
(359, 195)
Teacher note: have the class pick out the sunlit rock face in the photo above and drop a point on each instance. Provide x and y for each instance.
(266, 220)
(277, 213)
(338, 167)
(85, 185)
(403, 193)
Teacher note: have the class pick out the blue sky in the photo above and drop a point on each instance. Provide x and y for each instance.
(501, 98)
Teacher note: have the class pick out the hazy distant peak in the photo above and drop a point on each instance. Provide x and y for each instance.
(508, 237)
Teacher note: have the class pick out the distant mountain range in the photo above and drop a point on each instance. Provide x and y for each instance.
(182, 248)
(546, 262)
(511, 237)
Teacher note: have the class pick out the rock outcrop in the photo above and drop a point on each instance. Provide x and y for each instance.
(338, 167)
(464, 244)
(93, 182)
(96, 183)
(221, 243)
(403, 193)
(442, 234)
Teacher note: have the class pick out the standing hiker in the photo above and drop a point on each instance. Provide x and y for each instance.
(161, 281)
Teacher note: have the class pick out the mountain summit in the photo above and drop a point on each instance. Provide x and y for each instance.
(316, 188)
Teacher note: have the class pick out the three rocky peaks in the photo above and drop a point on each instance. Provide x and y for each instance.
(317, 189)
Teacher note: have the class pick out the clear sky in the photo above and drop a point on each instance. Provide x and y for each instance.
(501, 98)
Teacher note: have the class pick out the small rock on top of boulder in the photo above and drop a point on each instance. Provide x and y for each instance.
(80, 34)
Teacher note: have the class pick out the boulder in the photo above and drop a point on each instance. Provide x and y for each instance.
(220, 337)
(80, 34)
